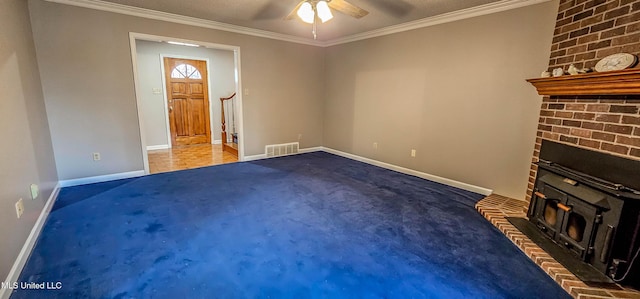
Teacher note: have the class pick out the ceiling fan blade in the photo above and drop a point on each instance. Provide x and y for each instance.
(271, 11)
(348, 8)
(294, 13)
(396, 8)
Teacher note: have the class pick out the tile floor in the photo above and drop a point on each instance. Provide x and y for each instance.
(186, 157)
(496, 207)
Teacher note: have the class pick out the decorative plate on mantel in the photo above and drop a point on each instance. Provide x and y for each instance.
(616, 62)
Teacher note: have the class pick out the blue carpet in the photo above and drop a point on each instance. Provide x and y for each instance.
(307, 226)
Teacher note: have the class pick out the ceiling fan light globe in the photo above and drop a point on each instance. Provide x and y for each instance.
(324, 13)
(305, 12)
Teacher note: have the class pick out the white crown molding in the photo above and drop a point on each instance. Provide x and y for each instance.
(180, 19)
(436, 20)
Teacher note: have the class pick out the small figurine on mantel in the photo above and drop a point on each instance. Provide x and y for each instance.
(557, 72)
(573, 70)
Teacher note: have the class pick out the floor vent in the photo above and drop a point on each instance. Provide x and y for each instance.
(275, 150)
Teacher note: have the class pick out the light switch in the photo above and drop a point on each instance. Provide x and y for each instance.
(156, 90)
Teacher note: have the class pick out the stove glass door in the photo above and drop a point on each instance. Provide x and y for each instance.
(548, 215)
(578, 227)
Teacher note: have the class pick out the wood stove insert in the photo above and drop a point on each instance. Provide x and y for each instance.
(585, 212)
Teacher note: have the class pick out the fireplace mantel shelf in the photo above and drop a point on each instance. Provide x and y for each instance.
(624, 82)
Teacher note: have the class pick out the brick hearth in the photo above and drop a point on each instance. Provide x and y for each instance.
(495, 208)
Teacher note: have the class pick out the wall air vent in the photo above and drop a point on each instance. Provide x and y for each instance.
(275, 150)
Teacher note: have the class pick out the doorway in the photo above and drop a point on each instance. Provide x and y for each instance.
(178, 107)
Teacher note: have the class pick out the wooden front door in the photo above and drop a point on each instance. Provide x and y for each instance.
(188, 101)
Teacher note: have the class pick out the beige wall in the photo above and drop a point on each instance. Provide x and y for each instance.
(455, 92)
(152, 106)
(87, 79)
(26, 144)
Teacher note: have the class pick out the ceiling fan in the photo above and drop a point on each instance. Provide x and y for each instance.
(310, 11)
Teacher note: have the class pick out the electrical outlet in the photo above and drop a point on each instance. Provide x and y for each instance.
(35, 191)
(96, 156)
(375, 145)
(299, 136)
(19, 208)
(413, 153)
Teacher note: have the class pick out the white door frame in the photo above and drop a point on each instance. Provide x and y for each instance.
(133, 36)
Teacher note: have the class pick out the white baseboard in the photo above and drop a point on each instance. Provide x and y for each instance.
(310, 149)
(157, 147)
(25, 252)
(101, 178)
(216, 141)
(435, 178)
(254, 157)
(431, 177)
(300, 151)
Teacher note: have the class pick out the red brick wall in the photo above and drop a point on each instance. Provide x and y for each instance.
(586, 31)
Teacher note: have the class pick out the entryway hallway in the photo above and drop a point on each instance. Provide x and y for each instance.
(187, 157)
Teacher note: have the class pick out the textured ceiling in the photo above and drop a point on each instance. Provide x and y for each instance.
(268, 14)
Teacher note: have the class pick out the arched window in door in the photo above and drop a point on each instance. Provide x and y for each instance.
(185, 71)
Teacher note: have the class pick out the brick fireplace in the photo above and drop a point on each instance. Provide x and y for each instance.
(585, 32)
(593, 118)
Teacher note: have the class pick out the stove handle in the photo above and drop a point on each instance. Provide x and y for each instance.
(564, 207)
(557, 201)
